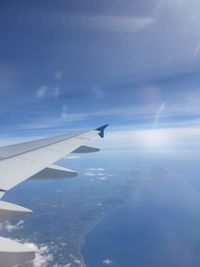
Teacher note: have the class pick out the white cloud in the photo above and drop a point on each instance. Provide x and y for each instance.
(66, 265)
(90, 174)
(77, 261)
(7, 226)
(72, 157)
(97, 173)
(107, 262)
(96, 169)
(41, 92)
(43, 257)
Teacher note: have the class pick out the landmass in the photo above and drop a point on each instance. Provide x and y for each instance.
(62, 220)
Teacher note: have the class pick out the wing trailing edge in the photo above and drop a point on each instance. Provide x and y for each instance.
(86, 149)
(10, 211)
(54, 172)
(13, 253)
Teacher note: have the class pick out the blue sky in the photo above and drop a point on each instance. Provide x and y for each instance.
(80, 64)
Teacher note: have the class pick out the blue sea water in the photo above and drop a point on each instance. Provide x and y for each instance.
(160, 226)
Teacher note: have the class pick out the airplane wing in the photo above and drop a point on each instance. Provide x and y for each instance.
(32, 160)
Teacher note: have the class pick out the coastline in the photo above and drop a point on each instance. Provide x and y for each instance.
(83, 240)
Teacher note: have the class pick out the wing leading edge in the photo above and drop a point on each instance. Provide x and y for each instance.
(22, 161)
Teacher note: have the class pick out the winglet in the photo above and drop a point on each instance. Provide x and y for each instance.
(101, 130)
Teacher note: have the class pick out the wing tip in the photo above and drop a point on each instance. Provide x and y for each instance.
(101, 130)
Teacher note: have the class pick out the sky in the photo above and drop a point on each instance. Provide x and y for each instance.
(70, 65)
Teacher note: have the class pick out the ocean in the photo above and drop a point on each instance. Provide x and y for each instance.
(158, 227)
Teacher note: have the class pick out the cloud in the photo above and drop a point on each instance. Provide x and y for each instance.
(7, 226)
(110, 23)
(97, 173)
(194, 56)
(41, 92)
(107, 262)
(43, 256)
(145, 109)
(90, 174)
(158, 113)
(96, 169)
(77, 261)
(94, 172)
(170, 140)
(56, 91)
(72, 157)
(52, 121)
(99, 22)
(64, 112)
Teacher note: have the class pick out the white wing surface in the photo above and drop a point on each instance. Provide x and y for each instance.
(20, 162)
(34, 159)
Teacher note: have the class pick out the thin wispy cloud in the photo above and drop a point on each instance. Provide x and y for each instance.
(194, 56)
(59, 120)
(149, 113)
(64, 112)
(42, 91)
(97, 22)
(127, 65)
(114, 23)
(158, 113)
(56, 91)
